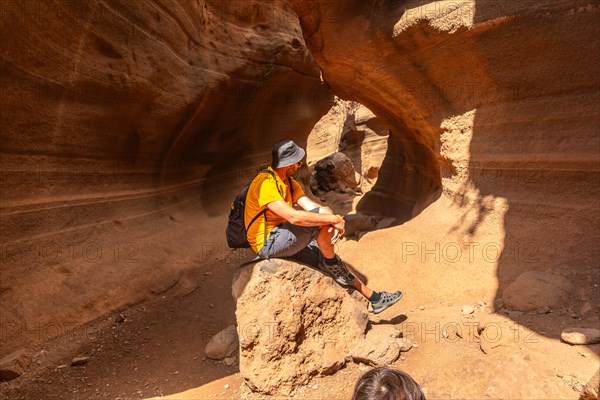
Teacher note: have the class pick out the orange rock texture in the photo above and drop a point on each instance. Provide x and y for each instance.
(117, 115)
(518, 68)
(494, 104)
(127, 126)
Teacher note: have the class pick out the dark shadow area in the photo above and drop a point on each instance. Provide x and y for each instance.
(397, 320)
(225, 136)
(155, 348)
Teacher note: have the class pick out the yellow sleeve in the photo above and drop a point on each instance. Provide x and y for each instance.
(268, 192)
(298, 192)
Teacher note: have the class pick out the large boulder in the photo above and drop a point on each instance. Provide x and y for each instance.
(336, 172)
(295, 323)
(533, 290)
(354, 130)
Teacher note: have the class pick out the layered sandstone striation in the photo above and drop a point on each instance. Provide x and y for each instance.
(125, 126)
(493, 104)
(350, 128)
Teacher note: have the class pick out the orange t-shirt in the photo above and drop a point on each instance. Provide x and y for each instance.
(264, 190)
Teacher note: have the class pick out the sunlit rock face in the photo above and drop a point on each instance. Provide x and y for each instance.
(126, 125)
(525, 72)
(353, 129)
(494, 104)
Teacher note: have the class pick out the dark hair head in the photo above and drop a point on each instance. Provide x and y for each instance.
(387, 384)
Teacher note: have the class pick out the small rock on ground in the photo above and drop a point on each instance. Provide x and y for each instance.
(466, 309)
(79, 360)
(581, 335)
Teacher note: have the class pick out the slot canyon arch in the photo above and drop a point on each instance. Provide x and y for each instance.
(131, 122)
(493, 104)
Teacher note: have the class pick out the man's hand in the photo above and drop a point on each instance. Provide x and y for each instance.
(337, 229)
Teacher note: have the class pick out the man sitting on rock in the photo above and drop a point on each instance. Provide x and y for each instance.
(297, 227)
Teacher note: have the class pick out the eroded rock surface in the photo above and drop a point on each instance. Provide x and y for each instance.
(458, 85)
(336, 172)
(354, 130)
(493, 105)
(223, 344)
(121, 122)
(14, 364)
(295, 323)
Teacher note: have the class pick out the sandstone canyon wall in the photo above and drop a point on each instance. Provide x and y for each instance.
(126, 127)
(493, 103)
(125, 123)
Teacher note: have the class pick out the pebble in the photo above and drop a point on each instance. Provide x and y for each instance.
(466, 309)
(315, 387)
(543, 310)
(79, 360)
(120, 318)
(421, 307)
(226, 386)
(580, 335)
(229, 361)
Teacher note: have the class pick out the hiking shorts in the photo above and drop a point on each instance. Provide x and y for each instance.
(293, 241)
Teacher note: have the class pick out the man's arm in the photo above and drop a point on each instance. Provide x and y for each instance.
(305, 218)
(307, 205)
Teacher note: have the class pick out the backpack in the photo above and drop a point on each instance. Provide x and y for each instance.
(236, 231)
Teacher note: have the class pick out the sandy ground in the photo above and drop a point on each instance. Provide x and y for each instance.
(156, 348)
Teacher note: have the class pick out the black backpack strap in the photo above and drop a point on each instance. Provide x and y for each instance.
(264, 212)
(268, 171)
(256, 217)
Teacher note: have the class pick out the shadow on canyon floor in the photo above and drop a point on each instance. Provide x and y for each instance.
(157, 350)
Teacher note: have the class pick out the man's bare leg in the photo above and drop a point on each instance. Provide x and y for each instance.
(324, 242)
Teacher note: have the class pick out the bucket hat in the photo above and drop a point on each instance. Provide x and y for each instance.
(286, 153)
